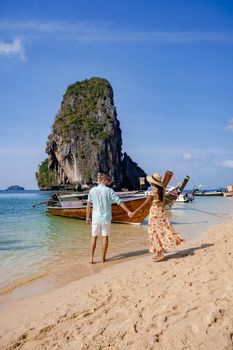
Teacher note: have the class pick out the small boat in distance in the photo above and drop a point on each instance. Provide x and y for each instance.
(205, 193)
(229, 191)
(15, 188)
(185, 198)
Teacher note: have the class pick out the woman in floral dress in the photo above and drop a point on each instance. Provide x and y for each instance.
(162, 235)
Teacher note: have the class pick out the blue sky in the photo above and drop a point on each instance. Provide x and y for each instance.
(170, 64)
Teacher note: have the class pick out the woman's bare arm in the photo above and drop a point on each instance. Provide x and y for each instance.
(124, 207)
(147, 201)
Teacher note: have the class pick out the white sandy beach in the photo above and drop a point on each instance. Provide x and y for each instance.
(185, 302)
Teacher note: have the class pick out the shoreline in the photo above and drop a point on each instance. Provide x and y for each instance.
(187, 295)
(64, 256)
(47, 282)
(67, 271)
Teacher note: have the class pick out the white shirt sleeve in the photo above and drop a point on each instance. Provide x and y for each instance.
(114, 197)
(89, 197)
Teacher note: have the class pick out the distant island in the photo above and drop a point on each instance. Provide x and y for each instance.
(15, 188)
(86, 139)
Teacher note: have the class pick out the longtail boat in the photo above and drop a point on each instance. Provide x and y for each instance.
(172, 196)
(77, 209)
(74, 205)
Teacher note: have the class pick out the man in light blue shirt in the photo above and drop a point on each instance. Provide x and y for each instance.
(102, 198)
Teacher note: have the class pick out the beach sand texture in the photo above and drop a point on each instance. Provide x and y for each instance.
(185, 302)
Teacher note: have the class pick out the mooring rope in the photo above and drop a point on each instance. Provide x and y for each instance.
(207, 212)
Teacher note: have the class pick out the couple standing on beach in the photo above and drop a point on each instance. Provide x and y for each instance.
(162, 235)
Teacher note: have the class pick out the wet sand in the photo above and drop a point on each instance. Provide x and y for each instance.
(126, 242)
(184, 302)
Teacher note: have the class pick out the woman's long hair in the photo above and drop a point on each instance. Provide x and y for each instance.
(160, 192)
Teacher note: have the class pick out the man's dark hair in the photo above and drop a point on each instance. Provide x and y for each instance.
(103, 175)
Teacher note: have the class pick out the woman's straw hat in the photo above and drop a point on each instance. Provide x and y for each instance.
(155, 179)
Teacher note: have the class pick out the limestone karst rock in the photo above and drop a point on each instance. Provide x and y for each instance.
(86, 139)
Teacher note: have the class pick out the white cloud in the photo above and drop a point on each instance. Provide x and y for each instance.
(189, 156)
(228, 164)
(229, 127)
(202, 152)
(106, 32)
(45, 26)
(12, 48)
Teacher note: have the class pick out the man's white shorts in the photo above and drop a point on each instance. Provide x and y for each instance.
(98, 230)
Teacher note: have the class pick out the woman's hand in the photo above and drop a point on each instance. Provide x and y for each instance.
(130, 214)
(88, 221)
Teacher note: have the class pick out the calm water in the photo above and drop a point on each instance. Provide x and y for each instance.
(34, 244)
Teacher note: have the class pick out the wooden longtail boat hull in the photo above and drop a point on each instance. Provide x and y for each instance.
(170, 199)
(118, 214)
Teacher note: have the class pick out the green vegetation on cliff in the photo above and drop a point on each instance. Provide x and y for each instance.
(96, 87)
(45, 177)
(81, 105)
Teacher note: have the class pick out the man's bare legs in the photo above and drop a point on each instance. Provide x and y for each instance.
(93, 246)
(104, 247)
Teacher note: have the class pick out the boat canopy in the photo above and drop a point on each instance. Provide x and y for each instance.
(72, 195)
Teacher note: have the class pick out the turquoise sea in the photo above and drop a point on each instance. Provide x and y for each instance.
(36, 246)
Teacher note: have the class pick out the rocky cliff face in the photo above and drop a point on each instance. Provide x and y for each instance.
(86, 139)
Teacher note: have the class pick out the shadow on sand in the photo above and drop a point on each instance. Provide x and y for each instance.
(129, 255)
(186, 252)
(174, 255)
(189, 223)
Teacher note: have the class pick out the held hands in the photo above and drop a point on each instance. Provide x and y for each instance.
(88, 221)
(130, 214)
